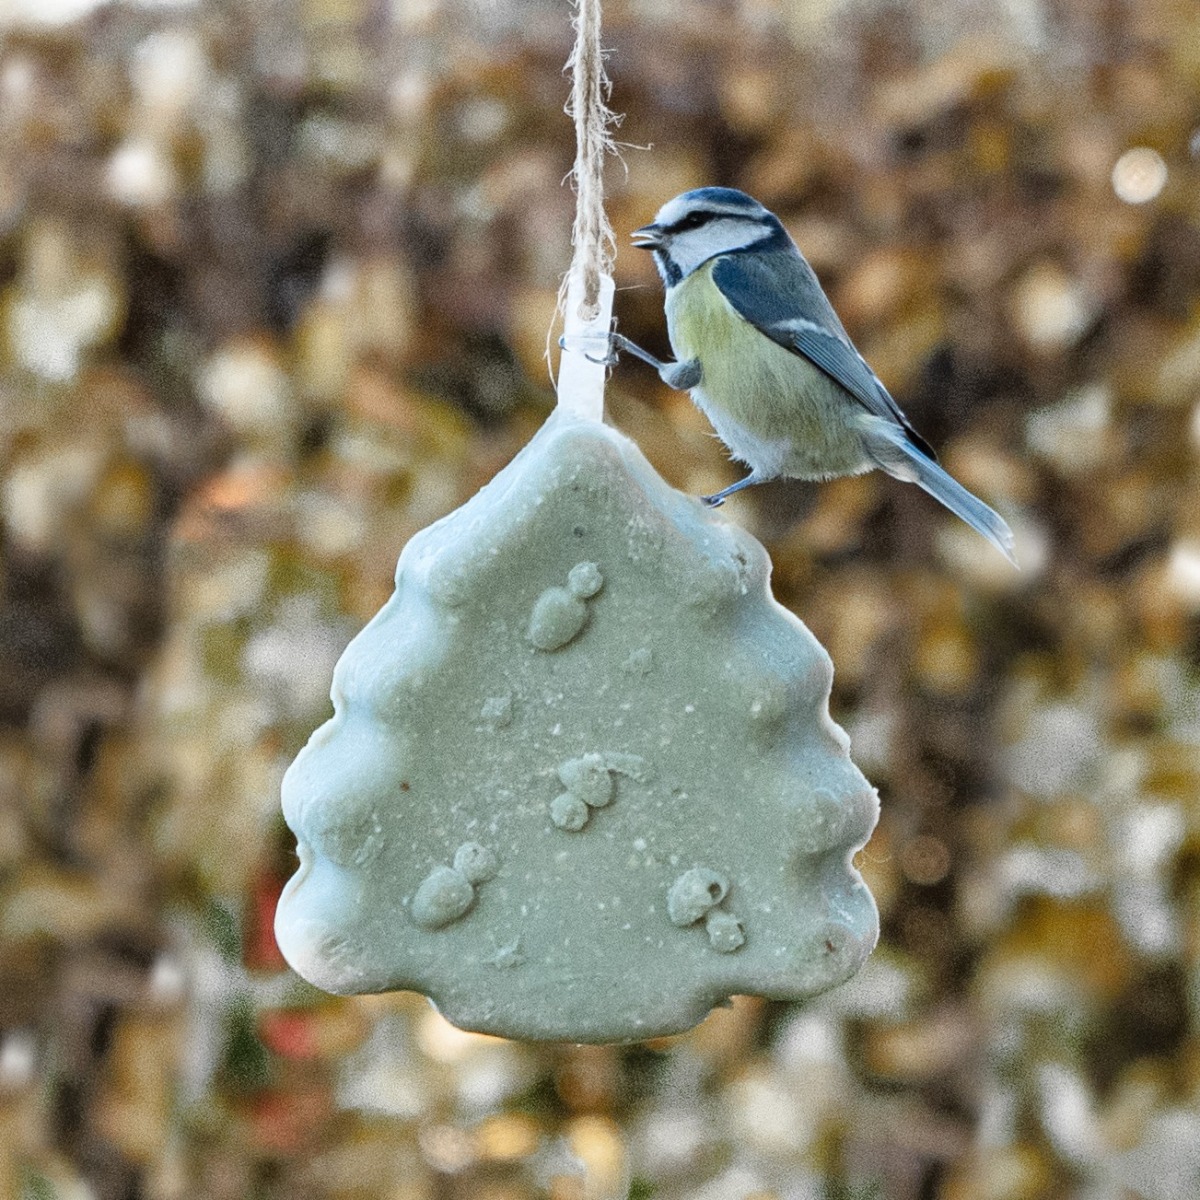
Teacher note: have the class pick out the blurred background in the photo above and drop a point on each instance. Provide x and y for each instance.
(275, 285)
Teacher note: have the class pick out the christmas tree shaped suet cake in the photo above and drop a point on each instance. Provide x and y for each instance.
(581, 782)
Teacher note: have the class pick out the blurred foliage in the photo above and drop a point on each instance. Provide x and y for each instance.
(275, 284)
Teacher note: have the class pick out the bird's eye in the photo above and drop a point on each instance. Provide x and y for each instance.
(692, 221)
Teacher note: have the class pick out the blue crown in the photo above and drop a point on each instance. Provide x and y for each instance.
(726, 197)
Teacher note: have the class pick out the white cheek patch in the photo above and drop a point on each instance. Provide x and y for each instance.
(694, 248)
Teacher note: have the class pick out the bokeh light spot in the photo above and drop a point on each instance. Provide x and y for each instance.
(1139, 175)
(925, 860)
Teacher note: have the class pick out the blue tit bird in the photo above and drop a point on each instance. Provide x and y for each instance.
(767, 361)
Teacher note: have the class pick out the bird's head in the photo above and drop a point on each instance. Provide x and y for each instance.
(701, 224)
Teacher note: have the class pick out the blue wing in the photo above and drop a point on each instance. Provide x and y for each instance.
(771, 291)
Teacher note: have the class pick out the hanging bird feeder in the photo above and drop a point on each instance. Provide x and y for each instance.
(581, 782)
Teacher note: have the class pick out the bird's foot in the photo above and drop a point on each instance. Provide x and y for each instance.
(578, 343)
(718, 498)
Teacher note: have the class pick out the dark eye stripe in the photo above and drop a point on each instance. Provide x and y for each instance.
(692, 220)
(698, 217)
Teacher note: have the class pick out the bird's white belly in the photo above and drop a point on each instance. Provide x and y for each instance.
(767, 457)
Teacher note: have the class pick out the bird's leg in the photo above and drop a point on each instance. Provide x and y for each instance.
(716, 500)
(618, 342)
(678, 375)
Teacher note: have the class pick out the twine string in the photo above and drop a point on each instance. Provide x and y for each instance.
(592, 235)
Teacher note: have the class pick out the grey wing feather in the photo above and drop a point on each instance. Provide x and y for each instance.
(772, 293)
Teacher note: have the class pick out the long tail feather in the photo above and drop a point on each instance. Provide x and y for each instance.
(896, 455)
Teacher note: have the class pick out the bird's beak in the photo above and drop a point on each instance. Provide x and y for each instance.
(649, 237)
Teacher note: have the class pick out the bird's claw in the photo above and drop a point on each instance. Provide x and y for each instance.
(610, 356)
(712, 501)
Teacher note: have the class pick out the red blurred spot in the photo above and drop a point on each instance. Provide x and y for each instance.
(289, 1033)
(261, 953)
